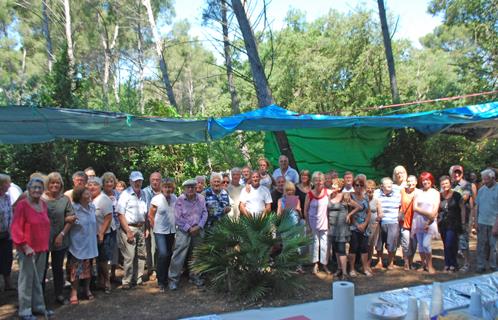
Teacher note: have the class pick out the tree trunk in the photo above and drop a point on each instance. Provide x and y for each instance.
(69, 39)
(140, 62)
(108, 47)
(263, 91)
(160, 56)
(46, 33)
(228, 59)
(23, 76)
(389, 51)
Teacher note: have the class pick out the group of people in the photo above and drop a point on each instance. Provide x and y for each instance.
(406, 211)
(154, 230)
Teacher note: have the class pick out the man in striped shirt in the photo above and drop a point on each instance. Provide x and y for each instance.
(390, 203)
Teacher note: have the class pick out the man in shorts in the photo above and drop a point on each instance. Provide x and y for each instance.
(390, 203)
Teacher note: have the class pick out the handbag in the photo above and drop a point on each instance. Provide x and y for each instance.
(401, 216)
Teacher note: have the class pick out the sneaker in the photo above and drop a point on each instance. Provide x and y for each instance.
(465, 268)
(481, 270)
(162, 289)
(353, 274)
(61, 300)
(315, 269)
(172, 286)
(197, 281)
(126, 286)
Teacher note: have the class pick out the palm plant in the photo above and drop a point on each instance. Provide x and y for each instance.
(251, 257)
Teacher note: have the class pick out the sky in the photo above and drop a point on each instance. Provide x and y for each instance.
(414, 21)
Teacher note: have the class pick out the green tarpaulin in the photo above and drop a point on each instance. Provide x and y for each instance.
(340, 149)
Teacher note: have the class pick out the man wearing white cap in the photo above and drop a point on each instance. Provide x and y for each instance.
(132, 210)
(190, 217)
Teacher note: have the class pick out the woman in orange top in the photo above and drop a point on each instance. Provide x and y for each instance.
(408, 244)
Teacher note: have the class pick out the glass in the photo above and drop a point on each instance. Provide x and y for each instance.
(36, 187)
(226, 182)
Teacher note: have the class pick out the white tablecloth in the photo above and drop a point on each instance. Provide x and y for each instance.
(316, 310)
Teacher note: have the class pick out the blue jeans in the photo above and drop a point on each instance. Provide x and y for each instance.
(164, 249)
(450, 242)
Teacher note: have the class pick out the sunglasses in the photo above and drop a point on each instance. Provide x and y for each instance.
(226, 182)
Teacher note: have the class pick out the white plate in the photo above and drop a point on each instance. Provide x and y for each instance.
(386, 311)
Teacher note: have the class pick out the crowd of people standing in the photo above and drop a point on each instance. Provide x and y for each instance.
(351, 221)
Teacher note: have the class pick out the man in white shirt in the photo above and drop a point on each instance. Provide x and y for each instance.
(14, 192)
(234, 189)
(348, 182)
(132, 210)
(486, 215)
(257, 201)
(286, 171)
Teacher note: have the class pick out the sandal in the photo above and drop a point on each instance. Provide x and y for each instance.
(74, 300)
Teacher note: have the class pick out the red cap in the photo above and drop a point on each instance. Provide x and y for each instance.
(456, 167)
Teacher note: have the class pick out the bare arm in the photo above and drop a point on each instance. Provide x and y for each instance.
(280, 210)
(306, 209)
(104, 226)
(242, 209)
(267, 208)
(152, 215)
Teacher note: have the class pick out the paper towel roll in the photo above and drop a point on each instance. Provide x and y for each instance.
(412, 310)
(343, 300)
(437, 299)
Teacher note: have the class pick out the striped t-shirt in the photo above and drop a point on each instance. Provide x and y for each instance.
(390, 204)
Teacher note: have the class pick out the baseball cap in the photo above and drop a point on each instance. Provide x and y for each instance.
(456, 167)
(189, 182)
(136, 175)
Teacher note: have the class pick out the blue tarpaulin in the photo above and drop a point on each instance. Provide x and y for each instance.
(275, 118)
(35, 125)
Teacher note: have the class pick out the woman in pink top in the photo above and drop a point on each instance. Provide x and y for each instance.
(315, 213)
(424, 225)
(30, 234)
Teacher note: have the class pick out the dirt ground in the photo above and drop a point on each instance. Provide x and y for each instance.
(145, 302)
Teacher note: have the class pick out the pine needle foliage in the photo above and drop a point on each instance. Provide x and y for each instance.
(252, 257)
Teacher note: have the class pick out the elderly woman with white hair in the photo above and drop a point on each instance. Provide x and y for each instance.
(399, 178)
(315, 213)
(106, 237)
(83, 244)
(5, 223)
(61, 215)
(30, 235)
(217, 199)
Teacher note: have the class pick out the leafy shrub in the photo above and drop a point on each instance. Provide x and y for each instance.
(252, 257)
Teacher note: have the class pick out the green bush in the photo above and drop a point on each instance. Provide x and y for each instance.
(250, 258)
